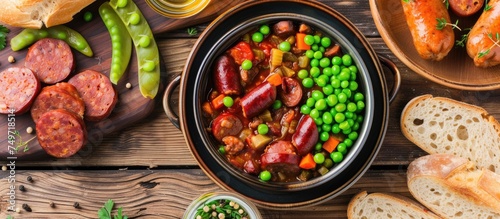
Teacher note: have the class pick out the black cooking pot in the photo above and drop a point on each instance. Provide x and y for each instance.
(195, 83)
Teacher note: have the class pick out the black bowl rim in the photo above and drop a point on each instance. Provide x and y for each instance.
(275, 198)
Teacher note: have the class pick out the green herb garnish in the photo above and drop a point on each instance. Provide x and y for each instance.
(486, 6)
(442, 23)
(221, 209)
(463, 39)
(192, 31)
(22, 143)
(496, 42)
(105, 211)
(3, 36)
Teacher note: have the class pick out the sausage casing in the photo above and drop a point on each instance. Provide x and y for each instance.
(227, 80)
(483, 36)
(422, 19)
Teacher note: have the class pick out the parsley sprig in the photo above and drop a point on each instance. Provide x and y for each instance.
(496, 42)
(3, 36)
(442, 23)
(105, 211)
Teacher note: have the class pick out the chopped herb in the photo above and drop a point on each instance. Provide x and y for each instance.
(192, 31)
(496, 42)
(105, 211)
(442, 23)
(486, 6)
(22, 143)
(446, 3)
(463, 39)
(222, 209)
(3, 36)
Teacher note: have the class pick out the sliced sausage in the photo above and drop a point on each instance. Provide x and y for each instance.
(281, 147)
(421, 18)
(332, 51)
(291, 92)
(52, 97)
(61, 133)
(50, 59)
(306, 135)
(69, 88)
(284, 29)
(226, 124)
(482, 37)
(227, 79)
(97, 92)
(258, 99)
(464, 8)
(281, 162)
(19, 88)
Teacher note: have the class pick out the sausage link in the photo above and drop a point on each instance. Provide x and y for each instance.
(483, 36)
(258, 99)
(421, 17)
(227, 80)
(305, 136)
(291, 92)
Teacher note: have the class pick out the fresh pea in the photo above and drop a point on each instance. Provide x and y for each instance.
(308, 82)
(337, 157)
(326, 42)
(228, 101)
(342, 148)
(265, 175)
(309, 40)
(304, 109)
(302, 74)
(264, 29)
(319, 158)
(277, 104)
(285, 46)
(120, 40)
(262, 129)
(257, 37)
(148, 57)
(68, 35)
(246, 65)
(87, 16)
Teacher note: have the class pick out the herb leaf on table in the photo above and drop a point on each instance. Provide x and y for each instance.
(105, 211)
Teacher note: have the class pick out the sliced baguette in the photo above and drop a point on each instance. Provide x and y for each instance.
(35, 13)
(443, 125)
(452, 187)
(383, 205)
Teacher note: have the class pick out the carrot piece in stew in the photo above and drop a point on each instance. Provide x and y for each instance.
(218, 102)
(331, 144)
(307, 162)
(274, 79)
(301, 44)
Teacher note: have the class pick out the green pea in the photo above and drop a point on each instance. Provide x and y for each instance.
(360, 105)
(320, 104)
(335, 129)
(353, 69)
(318, 146)
(304, 109)
(317, 95)
(309, 54)
(336, 60)
(340, 107)
(319, 158)
(310, 102)
(314, 71)
(318, 122)
(322, 49)
(144, 41)
(318, 55)
(348, 142)
(265, 175)
(327, 118)
(346, 60)
(355, 127)
(335, 83)
(121, 3)
(228, 101)
(326, 127)
(359, 97)
(327, 90)
(264, 29)
(352, 107)
(353, 76)
(308, 82)
(277, 104)
(314, 113)
(335, 69)
(262, 129)
(323, 136)
(337, 91)
(324, 62)
(331, 100)
(148, 66)
(87, 16)
(344, 84)
(314, 63)
(326, 42)
(317, 39)
(328, 163)
(339, 117)
(337, 157)
(309, 39)
(344, 125)
(257, 37)
(315, 47)
(246, 64)
(347, 92)
(344, 75)
(342, 97)
(322, 82)
(285, 46)
(302, 74)
(348, 114)
(353, 136)
(222, 149)
(353, 85)
(359, 118)
(327, 71)
(134, 18)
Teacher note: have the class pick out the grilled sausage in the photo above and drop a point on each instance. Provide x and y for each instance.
(50, 59)
(281, 147)
(97, 92)
(227, 80)
(226, 124)
(464, 8)
(281, 162)
(483, 37)
(291, 92)
(258, 99)
(61, 133)
(306, 135)
(53, 97)
(19, 88)
(421, 17)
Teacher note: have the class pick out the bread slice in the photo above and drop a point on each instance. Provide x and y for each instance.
(35, 13)
(452, 187)
(443, 125)
(383, 205)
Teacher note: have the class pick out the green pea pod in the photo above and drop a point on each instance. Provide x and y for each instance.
(74, 39)
(148, 56)
(121, 42)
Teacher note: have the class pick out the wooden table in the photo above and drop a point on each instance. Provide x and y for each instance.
(147, 168)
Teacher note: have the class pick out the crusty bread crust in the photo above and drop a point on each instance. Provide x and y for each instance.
(443, 125)
(380, 205)
(34, 13)
(453, 187)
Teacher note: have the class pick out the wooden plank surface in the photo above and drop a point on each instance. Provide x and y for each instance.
(155, 193)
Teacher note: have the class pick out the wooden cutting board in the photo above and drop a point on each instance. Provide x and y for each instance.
(131, 106)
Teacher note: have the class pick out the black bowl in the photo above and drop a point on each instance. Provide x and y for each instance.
(220, 35)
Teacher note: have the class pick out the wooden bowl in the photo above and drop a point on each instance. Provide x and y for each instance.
(456, 70)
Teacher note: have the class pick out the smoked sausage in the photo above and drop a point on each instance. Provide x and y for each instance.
(422, 17)
(481, 44)
(306, 135)
(19, 88)
(291, 91)
(258, 99)
(97, 92)
(226, 124)
(227, 80)
(53, 97)
(281, 162)
(61, 133)
(50, 59)
(464, 8)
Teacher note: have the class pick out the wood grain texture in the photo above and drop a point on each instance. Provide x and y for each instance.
(156, 193)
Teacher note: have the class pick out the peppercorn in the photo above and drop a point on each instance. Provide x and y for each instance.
(76, 205)
(29, 178)
(26, 207)
(51, 204)
(21, 188)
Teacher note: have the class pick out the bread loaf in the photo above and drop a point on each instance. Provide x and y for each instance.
(453, 187)
(382, 205)
(443, 125)
(34, 13)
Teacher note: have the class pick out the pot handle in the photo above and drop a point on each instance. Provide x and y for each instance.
(397, 76)
(167, 100)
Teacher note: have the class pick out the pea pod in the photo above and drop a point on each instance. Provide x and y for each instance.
(74, 39)
(146, 48)
(120, 40)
